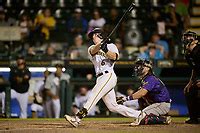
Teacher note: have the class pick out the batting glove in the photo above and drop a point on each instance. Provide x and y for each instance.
(104, 47)
(121, 100)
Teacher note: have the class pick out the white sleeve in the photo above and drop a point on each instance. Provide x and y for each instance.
(113, 48)
(90, 56)
(48, 83)
(38, 86)
(65, 77)
(76, 101)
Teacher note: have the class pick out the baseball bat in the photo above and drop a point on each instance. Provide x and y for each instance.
(130, 8)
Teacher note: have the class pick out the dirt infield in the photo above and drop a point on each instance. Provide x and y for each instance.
(93, 125)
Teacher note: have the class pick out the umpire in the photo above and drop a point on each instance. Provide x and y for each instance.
(192, 54)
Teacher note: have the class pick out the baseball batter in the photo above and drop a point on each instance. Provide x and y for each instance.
(103, 57)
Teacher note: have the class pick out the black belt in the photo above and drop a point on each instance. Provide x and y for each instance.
(100, 74)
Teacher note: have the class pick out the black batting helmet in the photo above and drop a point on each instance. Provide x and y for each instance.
(139, 66)
(96, 30)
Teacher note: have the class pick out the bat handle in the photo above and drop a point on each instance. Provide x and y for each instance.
(131, 7)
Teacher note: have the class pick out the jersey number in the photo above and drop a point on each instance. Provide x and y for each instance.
(103, 63)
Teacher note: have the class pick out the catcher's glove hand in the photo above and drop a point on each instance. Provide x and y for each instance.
(121, 100)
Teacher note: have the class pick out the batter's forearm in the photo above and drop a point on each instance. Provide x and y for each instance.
(112, 55)
(140, 93)
(95, 49)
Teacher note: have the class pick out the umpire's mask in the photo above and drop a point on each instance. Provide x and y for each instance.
(140, 65)
(187, 38)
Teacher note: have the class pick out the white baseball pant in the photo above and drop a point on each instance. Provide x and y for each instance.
(22, 99)
(104, 89)
(2, 97)
(52, 108)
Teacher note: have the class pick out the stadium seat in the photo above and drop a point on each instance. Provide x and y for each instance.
(14, 3)
(32, 3)
(61, 3)
(61, 13)
(49, 3)
(102, 3)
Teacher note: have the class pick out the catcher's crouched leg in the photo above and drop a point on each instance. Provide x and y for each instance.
(154, 119)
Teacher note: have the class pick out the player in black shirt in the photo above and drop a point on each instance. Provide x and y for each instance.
(191, 43)
(19, 81)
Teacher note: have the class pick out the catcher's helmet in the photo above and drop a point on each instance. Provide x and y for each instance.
(139, 66)
(96, 30)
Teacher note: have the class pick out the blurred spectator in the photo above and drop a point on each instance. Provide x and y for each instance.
(31, 53)
(186, 2)
(155, 38)
(26, 25)
(44, 22)
(174, 29)
(151, 24)
(151, 52)
(182, 10)
(52, 89)
(97, 21)
(123, 54)
(77, 23)
(5, 20)
(111, 22)
(50, 53)
(80, 99)
(2, 95)
(79, 49)
(39, 96)
(19, 80)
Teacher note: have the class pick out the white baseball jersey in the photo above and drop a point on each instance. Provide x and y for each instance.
(101, 61)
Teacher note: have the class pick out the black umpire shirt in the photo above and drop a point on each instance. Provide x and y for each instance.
(20, 87)
(193, 58)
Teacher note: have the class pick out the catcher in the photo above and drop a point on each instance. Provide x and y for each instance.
(192, 90)
(152, 95)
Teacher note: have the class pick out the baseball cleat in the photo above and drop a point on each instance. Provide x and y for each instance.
(73, 120)
(168, 120)
(139, 119)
